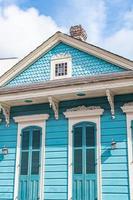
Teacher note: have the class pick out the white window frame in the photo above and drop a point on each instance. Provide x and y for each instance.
(128, 109)
(23, 122)
(61, 58)
(75, 116)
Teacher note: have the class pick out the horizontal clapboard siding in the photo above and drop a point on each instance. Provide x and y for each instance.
(8, 138)
(115, 185)
(56, 160)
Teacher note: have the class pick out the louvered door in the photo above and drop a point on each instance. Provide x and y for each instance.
(84, 162)
(30, 164)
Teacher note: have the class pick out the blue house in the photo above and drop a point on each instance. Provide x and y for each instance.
(66, 130)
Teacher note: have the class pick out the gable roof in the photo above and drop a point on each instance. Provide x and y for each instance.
(53, 41)
(71, 82)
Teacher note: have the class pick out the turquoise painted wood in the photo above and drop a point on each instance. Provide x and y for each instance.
(84, 162)
(30, 164)
(132, 137)
(83, 64)
(115, 176)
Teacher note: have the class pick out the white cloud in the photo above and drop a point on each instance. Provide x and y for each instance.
(21, 31)
(121, 42)
(90, 13)
(93, 14)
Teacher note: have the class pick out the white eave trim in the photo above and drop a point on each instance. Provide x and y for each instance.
(117, 85)
(82, 111)
(31, 118)
(55, 39)
(98, 52)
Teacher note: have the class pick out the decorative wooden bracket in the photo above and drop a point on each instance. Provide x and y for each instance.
(6, 112)
(110, 98)
(54, 103)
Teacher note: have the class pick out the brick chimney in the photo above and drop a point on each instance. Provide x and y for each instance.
(78, 32)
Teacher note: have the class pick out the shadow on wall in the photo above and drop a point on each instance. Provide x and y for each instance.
(106, 154)
(1, 157)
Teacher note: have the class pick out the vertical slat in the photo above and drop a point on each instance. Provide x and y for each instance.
(87, 190)
(90, 189)
(78, 189)
(23, 193)
(34, 183)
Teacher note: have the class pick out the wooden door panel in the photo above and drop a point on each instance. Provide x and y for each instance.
(30, 164)
(84, 162)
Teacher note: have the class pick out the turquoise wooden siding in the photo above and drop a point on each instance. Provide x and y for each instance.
(8, 137)
(82, 64)
(56, 159)
(115, 184)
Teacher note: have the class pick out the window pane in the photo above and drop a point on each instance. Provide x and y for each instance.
(35, 162)
(90, 161)
(36, 139)
(78, 137)
(24, 163)
(25, 140)
(78, 161)
(90, 136)
(61, 69)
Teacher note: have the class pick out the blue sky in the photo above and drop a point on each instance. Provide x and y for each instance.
(109, 23)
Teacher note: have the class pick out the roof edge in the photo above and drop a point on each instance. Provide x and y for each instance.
(55, 39)
(71, 81)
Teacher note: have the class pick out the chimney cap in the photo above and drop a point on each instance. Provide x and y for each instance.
(78, 32)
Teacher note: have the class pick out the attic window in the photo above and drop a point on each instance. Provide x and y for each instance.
(61, 69)
(61, 66)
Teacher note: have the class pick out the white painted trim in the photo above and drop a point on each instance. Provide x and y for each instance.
(75, 117)
(128, 109)
(55, 39)
(83, 113)
(96, 88)
(31, 118)
(23, 122)
(58, 60)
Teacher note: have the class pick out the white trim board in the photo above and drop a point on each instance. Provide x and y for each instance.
(80, 114)
(54, 40)
(128, 109)
(60, 59)
(23, 122)
(117, 86)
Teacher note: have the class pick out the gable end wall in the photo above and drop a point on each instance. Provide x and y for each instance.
(83, 64)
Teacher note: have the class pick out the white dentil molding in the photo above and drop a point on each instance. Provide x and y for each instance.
(83, 111)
